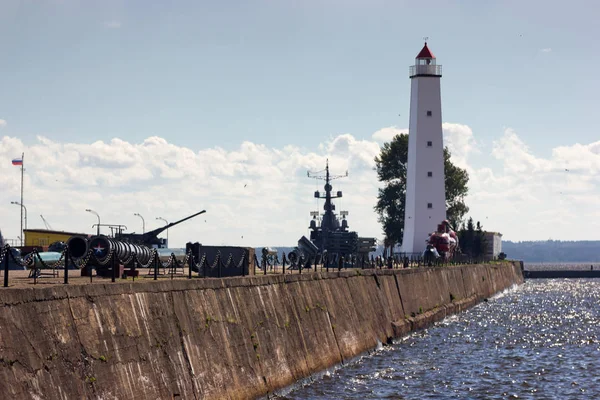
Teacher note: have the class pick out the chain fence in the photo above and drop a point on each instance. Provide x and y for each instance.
(200, 266)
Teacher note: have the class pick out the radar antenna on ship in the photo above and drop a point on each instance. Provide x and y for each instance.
(329, 221)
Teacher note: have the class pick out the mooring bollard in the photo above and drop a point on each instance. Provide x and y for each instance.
(6, 255)
(66, 274)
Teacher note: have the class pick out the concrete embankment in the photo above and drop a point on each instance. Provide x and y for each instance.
(565, 273)
(233, 338)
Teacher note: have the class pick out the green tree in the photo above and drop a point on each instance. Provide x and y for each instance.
(466, 237)
(471, 239)
(479, 242)
(391, 164)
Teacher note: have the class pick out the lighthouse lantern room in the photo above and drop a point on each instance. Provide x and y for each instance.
(425, 205)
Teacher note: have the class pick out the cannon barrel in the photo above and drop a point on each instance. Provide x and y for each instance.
(165, 254)
(307, 247)
(268, 251)
(49, 257)
(78, 246)
(101, 247)
(149, 236)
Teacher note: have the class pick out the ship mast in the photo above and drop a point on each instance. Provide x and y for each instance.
(329, 222)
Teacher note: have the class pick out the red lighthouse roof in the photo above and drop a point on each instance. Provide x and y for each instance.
(425, 52)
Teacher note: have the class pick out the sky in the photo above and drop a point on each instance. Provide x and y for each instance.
(168, 108)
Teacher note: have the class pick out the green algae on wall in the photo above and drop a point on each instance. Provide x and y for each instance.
(232, 338)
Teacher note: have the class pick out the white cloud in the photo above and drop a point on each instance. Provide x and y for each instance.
(113, 24)
(546, 50)
(457, 137)
(254, 191)
(387, 134)
(2, 123)
(534, 197)
(262, 193)
(460, 141)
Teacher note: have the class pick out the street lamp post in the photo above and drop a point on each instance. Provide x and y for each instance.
(96, 214)
(25, 209)
(166, 223)
(143, 222)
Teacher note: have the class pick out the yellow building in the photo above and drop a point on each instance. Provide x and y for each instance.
(45, 237)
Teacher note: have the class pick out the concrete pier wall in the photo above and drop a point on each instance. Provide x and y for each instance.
(232, 338)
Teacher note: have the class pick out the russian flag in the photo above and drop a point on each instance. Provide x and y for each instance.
(17, 161)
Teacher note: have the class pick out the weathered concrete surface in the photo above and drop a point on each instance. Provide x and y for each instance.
(231, 338)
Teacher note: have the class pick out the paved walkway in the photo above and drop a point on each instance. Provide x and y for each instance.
(20, 278)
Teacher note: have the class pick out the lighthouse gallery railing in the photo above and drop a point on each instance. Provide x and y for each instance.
(433, 70)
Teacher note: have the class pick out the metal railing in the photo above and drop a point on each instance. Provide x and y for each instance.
(420, 70)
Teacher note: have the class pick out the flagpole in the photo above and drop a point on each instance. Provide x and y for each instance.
(22, 168)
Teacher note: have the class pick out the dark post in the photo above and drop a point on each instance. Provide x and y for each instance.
(133, 267)
(264, 262)
(156, 261)
(190, 261)
(113, 261)
(204, 265)
(89, 267)
(254, 264)
(283, 264)
(173, 265)
(6, 255)
(66, 274)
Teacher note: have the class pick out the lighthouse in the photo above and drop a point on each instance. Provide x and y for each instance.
(425, 191)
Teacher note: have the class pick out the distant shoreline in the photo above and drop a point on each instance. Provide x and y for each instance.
(549, 266)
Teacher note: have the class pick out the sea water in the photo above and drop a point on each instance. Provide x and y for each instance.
(539, 340)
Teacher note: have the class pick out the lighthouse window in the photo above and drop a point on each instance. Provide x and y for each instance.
(429, 205)
(429, 113)
(430, 174)
(429, 144)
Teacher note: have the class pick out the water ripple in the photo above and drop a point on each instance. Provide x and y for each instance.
(540, 340)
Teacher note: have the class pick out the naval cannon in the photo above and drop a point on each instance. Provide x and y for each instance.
(125, 246)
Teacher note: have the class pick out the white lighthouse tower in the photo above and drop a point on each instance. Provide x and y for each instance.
(425, 191)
